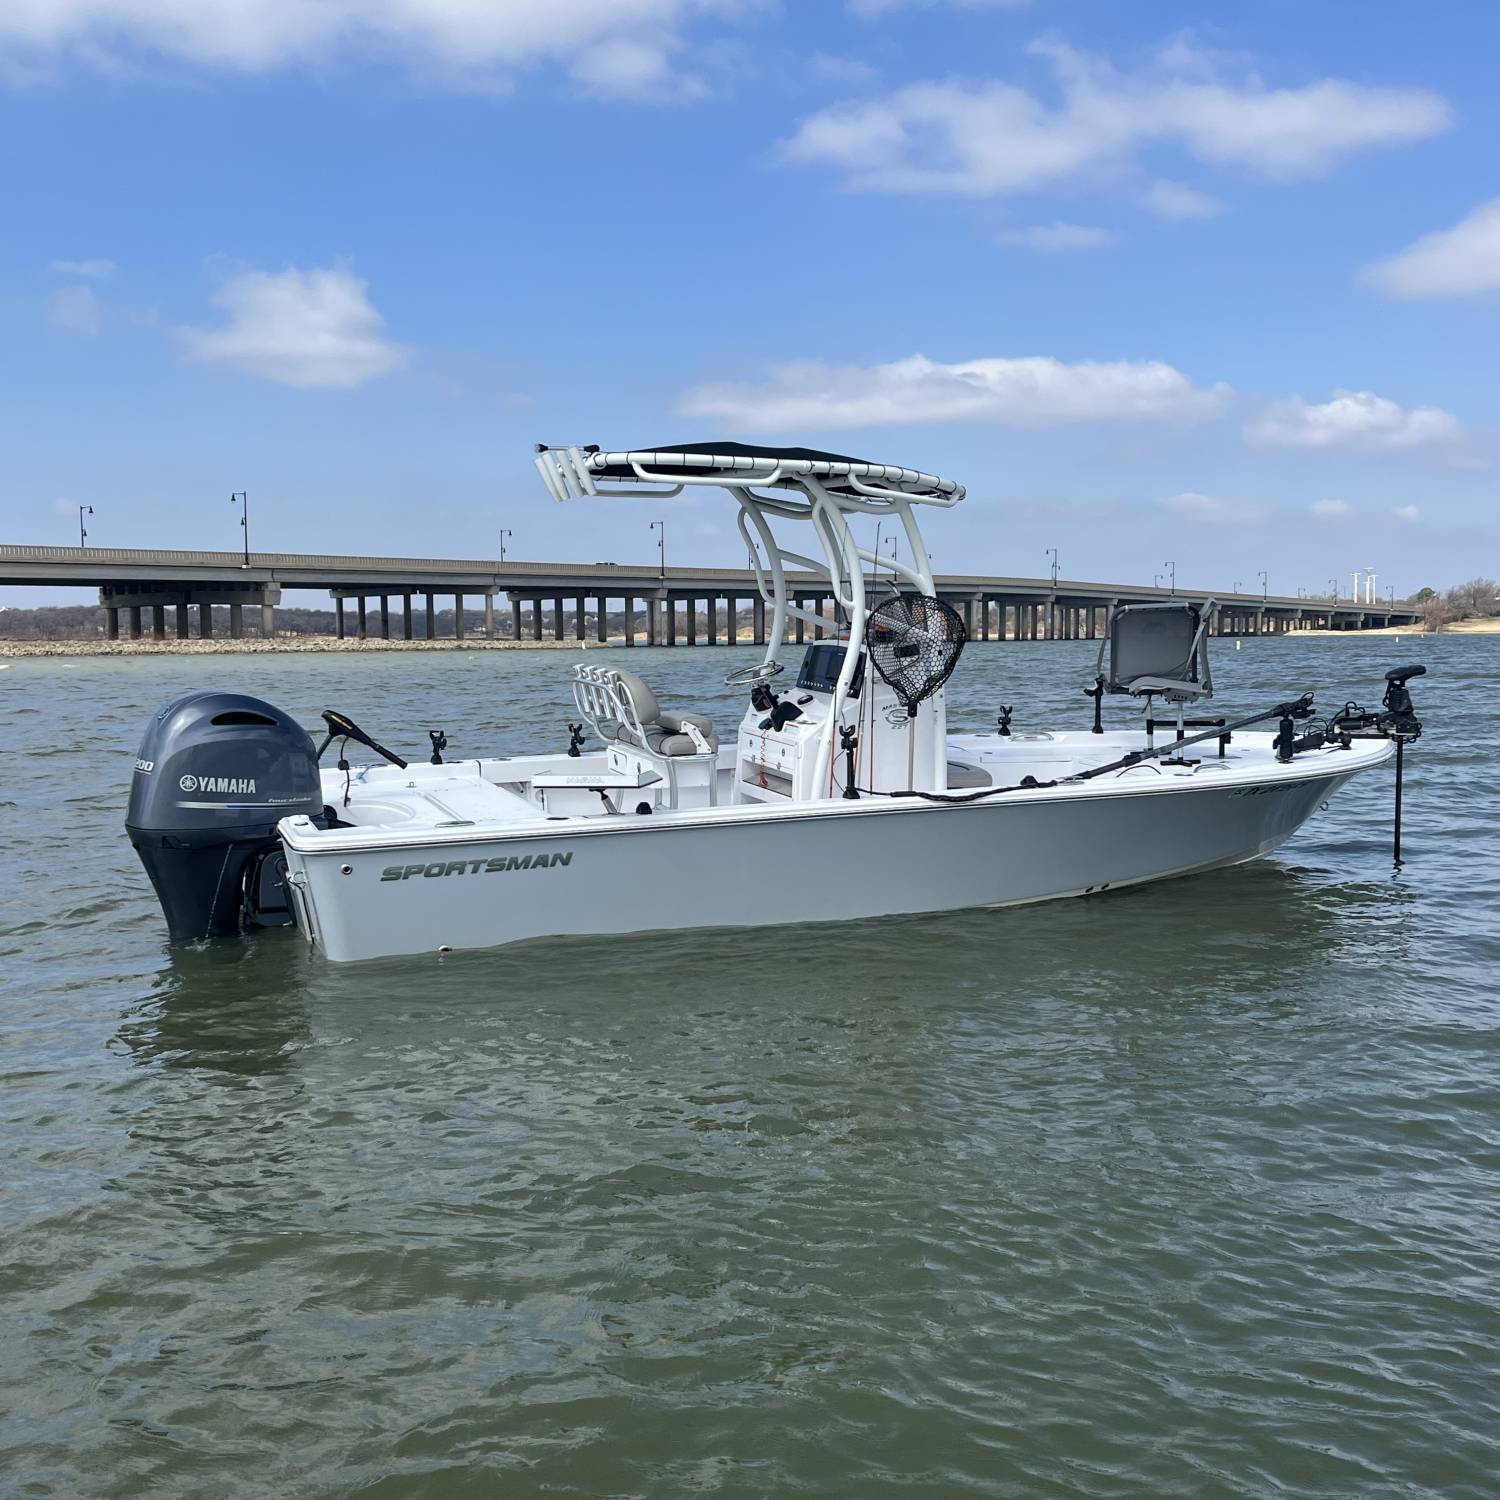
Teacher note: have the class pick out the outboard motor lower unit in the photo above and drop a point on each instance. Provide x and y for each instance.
(216, 773)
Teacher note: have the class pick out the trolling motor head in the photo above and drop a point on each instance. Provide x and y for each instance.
(1402, 722)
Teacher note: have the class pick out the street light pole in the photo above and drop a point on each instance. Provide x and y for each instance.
(1265, 588)
(661, 526)
(505, 531)
(83, 536)
(244, 504)
(1052, 552)
(1171, 568)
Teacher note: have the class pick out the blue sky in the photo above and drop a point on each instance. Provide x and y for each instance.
(1215, 284)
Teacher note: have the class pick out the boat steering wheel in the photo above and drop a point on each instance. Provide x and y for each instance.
(754, 676)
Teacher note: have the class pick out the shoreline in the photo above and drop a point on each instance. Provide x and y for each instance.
(289, 645)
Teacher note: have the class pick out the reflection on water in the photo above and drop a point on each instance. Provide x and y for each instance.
(1180, 1190)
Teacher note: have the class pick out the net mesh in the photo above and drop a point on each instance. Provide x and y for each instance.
(914, 643)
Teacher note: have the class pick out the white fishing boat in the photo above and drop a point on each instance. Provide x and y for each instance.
(840, 794)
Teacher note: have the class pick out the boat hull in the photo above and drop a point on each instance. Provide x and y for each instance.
(825, 862)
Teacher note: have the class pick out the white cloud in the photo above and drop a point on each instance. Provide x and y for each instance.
(1176, 200)
(1460, 262)
(994, 139)
(1407, 513)
(1034, 391)
(76, 309)
(301, 328)
(93, 270)
(610, 45)
(1331, 510)
(1057, 236)
(1192, 506)
(1352, 419)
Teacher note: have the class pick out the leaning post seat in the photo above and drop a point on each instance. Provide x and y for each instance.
(619, 706)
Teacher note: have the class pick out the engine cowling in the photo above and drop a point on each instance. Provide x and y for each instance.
(215, 774)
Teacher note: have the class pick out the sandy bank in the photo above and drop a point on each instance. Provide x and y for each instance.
(1457, 627)
(215, 646)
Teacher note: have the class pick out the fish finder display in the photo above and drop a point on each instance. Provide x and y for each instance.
(821, 666)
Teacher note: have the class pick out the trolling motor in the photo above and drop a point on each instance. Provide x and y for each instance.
(1396, 721)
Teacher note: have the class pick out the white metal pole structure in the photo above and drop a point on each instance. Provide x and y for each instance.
(862, 489)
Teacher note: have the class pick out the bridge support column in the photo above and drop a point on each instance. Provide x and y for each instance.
(653, 622)
(385, 617)
(158, 622)
(267, 619)
(361, 618)
(111, 622)
(629, 608)
(557, 618)
(134, 618)
(182, 621)
(799, 628)
(406, 630)
(458, 617)
(515, 619)
(536, 619)
(711, 621)
(671, 622)
(758, 620)
(205, 621)
(601, 621)
(236, 621)
(338, 617)
(431, 613)
(489, 615)
(580, 619)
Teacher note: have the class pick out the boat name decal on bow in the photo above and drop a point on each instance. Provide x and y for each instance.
(239, 785)
(476, 866)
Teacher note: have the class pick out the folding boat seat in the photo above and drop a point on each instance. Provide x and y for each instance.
(654, 729)
(1158, 649)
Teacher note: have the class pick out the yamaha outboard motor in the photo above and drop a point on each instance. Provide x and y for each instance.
(216, 773)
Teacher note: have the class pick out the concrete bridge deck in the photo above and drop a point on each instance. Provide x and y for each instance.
(681, 605)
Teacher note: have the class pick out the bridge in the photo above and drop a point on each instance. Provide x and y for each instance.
(691, 606)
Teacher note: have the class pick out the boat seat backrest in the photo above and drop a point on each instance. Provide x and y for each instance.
(619, 705)
(1158, 648)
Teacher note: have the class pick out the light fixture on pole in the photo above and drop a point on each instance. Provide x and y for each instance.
(1171, 568)
(1265, 588)
(1236, 585)
(661, 527)
(83, 536)
(505, 531)
(243, 500)
(1052, 553)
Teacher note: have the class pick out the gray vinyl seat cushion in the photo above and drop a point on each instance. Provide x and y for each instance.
(664, 732)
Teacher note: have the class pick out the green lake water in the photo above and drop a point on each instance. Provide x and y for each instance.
(1190, 1190)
